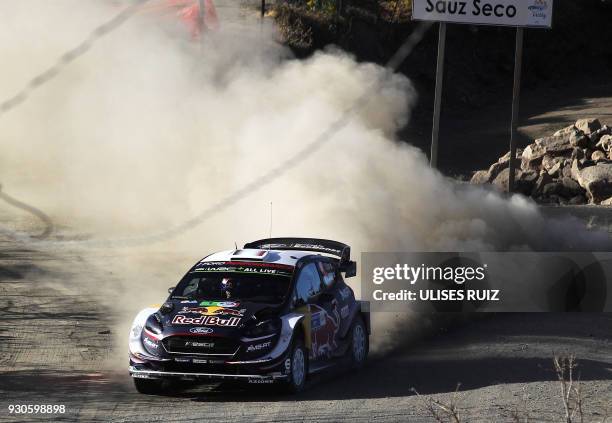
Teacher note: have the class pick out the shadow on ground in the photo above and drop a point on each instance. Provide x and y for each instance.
(434, 366)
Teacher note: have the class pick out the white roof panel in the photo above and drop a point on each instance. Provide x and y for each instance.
(273, 256)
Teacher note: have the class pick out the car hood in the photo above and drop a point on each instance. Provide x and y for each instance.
(213, 318)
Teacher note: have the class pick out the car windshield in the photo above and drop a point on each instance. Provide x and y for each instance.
(254, 284)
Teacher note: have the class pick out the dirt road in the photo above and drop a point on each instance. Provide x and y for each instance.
(60, 345)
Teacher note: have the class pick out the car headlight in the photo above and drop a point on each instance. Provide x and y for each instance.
(153, 325)
(135, 332)
(263, 328)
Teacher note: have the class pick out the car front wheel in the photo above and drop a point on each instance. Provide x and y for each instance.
(299, 367)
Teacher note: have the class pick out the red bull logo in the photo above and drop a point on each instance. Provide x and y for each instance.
(324, 329)
(206, 321)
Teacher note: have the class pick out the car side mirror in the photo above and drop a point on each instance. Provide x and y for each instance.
(349, 269)
(170, 290)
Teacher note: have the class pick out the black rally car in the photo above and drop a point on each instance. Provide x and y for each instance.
(277, 310)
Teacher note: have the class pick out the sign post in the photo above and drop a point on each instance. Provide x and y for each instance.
(513, 13)
(433, 159)
(516, 93)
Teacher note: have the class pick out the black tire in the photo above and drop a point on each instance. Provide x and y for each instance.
(295, 383)
(150, 386)
(360, 343)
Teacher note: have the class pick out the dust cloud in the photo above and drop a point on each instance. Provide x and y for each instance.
(150, 127)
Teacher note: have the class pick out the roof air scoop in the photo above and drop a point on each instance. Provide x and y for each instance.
(249, 254)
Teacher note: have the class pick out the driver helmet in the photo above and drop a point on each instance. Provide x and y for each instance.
(227, 286)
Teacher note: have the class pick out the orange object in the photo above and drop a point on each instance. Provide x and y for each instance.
(189, 12)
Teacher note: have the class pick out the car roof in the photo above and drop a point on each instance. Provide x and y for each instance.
(286, 257)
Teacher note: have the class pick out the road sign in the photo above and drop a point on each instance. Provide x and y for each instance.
(517, 13)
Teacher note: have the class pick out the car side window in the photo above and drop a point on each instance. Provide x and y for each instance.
(329, 273)
(308, 283)
(191, 287)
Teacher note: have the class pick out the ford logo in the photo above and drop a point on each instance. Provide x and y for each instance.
(200, 330)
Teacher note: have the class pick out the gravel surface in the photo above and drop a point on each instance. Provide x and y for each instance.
(64, 343)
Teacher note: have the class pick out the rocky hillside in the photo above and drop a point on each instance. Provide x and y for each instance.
(572, 166)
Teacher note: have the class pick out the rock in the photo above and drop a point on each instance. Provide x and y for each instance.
(577, 200)
(574, 166)
(605, 143)
(571, 188)
(577, 153)
(548, 161)
(552, 188)
(597, 181)
(596, 136)
(575, 170)
(607, 202)
(565, 131)
(501, 181)
(555, 170)
(566, 172)
(542, 180)
(566, 188)
(598, 156)
(588, 126)
(577, 138)
(506, 157)
(504, 163)
(553, 146)
(525, 182)
(481, 177)
(495, 169)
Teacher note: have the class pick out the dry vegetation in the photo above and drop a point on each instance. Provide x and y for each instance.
(387, 10)
(442, 412)
(296, 18)
(570, 391)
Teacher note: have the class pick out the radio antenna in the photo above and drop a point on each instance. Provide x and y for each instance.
(270, 223)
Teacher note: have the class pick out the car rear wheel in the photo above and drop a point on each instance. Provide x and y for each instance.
(150, 386)
(299, 367)
(359, 343)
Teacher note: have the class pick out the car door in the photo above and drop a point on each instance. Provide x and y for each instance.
(325, 319)
(320, 330)
(336, 299)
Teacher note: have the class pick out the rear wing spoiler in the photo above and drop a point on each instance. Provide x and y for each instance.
(334, 248)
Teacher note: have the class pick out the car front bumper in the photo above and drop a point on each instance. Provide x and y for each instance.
(143, 373)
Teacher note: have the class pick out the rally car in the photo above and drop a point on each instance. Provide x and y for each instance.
(276, 311)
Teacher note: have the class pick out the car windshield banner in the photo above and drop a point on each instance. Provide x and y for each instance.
(245, 267)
